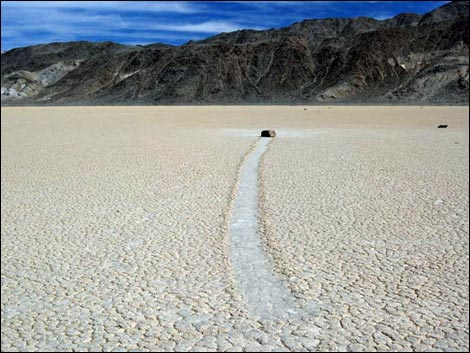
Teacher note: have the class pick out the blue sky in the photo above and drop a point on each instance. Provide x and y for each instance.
(174, 22)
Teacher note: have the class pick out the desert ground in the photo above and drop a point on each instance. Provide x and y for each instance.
(179, 229)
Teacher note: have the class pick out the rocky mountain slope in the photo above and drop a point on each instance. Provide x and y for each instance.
(405, 59)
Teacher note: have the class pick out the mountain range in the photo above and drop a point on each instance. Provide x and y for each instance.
(408, 59)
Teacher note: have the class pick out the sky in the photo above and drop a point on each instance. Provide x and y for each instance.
(27, 23)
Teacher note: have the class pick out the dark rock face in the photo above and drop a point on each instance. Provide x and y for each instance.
(405, 59)
(268, 133)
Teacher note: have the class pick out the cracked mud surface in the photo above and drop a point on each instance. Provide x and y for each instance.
(115, 227)
(374, 226)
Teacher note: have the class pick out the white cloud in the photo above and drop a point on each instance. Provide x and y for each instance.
(203, 27)
(137, 6)
(381, 17)
(102, 25)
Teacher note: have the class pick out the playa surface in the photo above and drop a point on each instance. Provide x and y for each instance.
(116, 228)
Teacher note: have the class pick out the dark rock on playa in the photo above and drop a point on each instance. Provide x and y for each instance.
(268, 133)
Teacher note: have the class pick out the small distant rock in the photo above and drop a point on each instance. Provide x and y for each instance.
(442, 127)
(268, 133)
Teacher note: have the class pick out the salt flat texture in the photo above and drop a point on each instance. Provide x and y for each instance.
(114, 227)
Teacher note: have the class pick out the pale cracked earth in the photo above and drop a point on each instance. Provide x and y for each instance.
(115, 228)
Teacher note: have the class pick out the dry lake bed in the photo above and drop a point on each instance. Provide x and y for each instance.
(179, 229)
